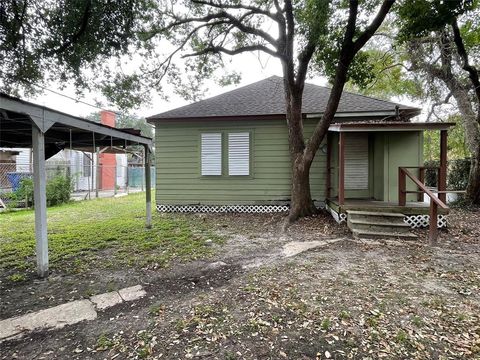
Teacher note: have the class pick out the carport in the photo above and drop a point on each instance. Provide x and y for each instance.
(47, 131)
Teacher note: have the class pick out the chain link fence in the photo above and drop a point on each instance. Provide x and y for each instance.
(88, 179)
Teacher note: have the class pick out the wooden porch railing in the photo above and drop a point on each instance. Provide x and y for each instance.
(435, 201)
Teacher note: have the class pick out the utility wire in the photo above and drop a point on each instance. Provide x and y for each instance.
(64, 95)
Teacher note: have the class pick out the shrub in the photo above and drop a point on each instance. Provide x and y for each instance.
(457, 177)
(431, 175)
(59, 190)
(25, 191)
(459, 171)
(22, 197)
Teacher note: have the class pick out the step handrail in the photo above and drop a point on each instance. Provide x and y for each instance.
(435, 202)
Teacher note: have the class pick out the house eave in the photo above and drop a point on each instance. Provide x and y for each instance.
(404, 113)
(388, 126)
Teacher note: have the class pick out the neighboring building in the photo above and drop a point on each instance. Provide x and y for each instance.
(7, 166)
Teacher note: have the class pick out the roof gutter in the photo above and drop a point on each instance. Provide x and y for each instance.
(396, 126)
(357, 114)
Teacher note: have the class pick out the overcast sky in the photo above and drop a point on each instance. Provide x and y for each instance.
(251, 68)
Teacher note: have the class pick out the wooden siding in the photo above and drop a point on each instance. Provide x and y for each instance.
(403, 149)
(179, 179)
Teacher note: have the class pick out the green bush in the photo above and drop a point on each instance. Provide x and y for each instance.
(457, 177)
(22, 197)
(458, 173)
(59, 190)
(25, 191)
(431, 175)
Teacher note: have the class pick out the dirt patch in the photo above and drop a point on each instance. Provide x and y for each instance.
(347, 299)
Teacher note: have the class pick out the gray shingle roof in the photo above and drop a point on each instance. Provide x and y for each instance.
(266, 97)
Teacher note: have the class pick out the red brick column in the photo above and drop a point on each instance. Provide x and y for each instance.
(107, 162)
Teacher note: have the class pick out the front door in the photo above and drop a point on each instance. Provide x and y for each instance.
(356, 165)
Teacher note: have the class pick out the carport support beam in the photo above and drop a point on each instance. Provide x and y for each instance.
(148, 190)
(40, 200)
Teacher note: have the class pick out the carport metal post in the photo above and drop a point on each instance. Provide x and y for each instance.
(148, 190)
(40, 199)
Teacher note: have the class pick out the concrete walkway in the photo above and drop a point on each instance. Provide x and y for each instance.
(67, 314)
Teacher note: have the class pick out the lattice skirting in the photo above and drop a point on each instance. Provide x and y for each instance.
(223, 208)
(415, 221)
(419, 221)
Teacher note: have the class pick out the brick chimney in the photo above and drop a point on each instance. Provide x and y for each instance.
(107, 162)
(108, 118)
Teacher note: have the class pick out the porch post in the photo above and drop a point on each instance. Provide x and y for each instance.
(442, 175)
(341, 168)
(421, 177)
(329, 166)
(40, 200)
(148, 190)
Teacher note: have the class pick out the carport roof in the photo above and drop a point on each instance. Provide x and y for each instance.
(61, 130)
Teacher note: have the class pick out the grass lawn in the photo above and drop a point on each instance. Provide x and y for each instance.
(100, 233)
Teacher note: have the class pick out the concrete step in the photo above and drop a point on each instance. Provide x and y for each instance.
(379, 226)
(377, 217)
(366, 234)
(375, 213)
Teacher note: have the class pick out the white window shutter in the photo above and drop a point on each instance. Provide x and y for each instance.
(211, 154)
(239, 153)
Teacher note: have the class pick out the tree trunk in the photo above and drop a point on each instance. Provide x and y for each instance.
(471, 119)
(301, 198)
(473, 187)
(301, 203)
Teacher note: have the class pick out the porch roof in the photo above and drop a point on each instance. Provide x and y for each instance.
(388, 126)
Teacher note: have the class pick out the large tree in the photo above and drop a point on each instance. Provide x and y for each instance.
(68, 41)
(432, 54)
(63, 38)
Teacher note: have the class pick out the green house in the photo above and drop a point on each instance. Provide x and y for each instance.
(230, 152)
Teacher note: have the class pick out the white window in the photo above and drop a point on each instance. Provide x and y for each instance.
(211, 153)
(239, 153)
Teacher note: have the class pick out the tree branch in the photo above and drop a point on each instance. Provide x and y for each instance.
(438, 103)
(221, 49)
(304, 61)
(237, 22)
(462, 52)
(239, 6)
(374, 25)
(83, 27)
(347, 54)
